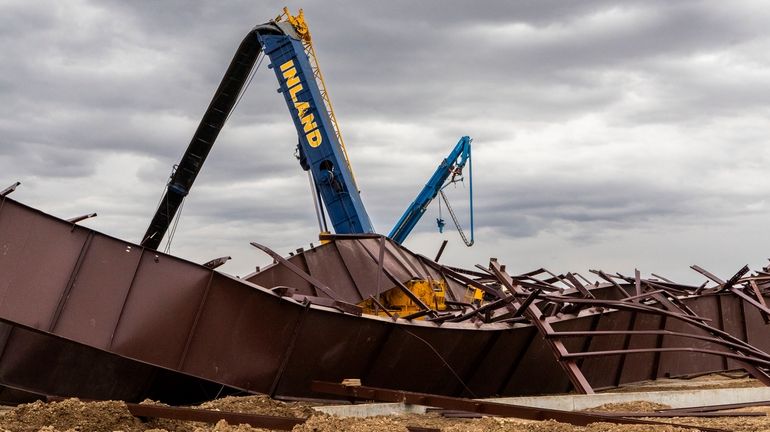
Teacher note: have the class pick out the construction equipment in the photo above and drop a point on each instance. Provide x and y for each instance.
(451, 166)
(321, 151)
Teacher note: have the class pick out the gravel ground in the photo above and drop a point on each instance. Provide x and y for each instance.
(72, 415)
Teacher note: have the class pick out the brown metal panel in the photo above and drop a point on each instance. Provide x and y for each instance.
(400, 267)
(417, 357)
(41, 363)
(241, 335)
(362, 268)
(327, 266)
(602, 371)
(538, 372)
(683, 363)
(492, 371)
(98, 292)
(756, 330)
(345, 355)
(160, 309)
(37, 258)
(278, 275)
(640, 367)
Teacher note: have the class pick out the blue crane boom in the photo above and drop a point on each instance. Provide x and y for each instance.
(451, 166)
(320, 143)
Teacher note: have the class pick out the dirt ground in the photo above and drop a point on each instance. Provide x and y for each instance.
(72, 415)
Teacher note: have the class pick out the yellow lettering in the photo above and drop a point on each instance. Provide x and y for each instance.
(301, 107)
(293, 92)
(314, 138)
(288, 64)
(307, 123)
(291, 77)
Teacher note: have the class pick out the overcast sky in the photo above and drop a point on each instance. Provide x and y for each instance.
(607, 135)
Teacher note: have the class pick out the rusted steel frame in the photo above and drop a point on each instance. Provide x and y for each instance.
(296, 270)
(673, 304)
(721, 323)
(532, 312)
(734, 279)
(379, 271)
(572, 334)
(604, 276)
(641, 296)
(661, 278)
(752, 369)
(537, 284)
(761, 299)
(637, 282)
(418, 314)
(441, 250)
(738, 357)
(660, 284)
(762, 308)
(381, 306)
(459, 304)
(507, 319)
(487, 307)
(589, 339)
(408, 292)
(344, 266)
(71, 282)
(81, 218)
(327, 302)
(194, 325)
(617, 304)
(464, 279)
(659, 344)
(403, 287)
(707, 274)
(142, 251)
(670, 288)
(626, 343)
(556, 278)
(9, 189)
(588, 282)
(477, 406)
(526, 303)
(524, 278)
(289, 350)
(578, 285)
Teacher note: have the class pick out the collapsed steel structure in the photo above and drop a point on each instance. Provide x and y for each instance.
(88, 315)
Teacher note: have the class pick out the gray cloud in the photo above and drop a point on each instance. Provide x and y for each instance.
(596, 124)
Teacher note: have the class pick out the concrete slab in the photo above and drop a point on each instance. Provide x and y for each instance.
(673, 398)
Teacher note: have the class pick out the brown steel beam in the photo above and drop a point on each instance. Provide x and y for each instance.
(296, 270)
(477, 406)
(532, 312)
(707, 274)
(9, 189)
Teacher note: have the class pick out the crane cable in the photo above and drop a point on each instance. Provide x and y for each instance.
(467, 242)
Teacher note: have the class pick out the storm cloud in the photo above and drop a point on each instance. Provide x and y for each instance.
(606, 134)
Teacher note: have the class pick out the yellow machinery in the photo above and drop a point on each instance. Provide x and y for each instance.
(431, 292)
